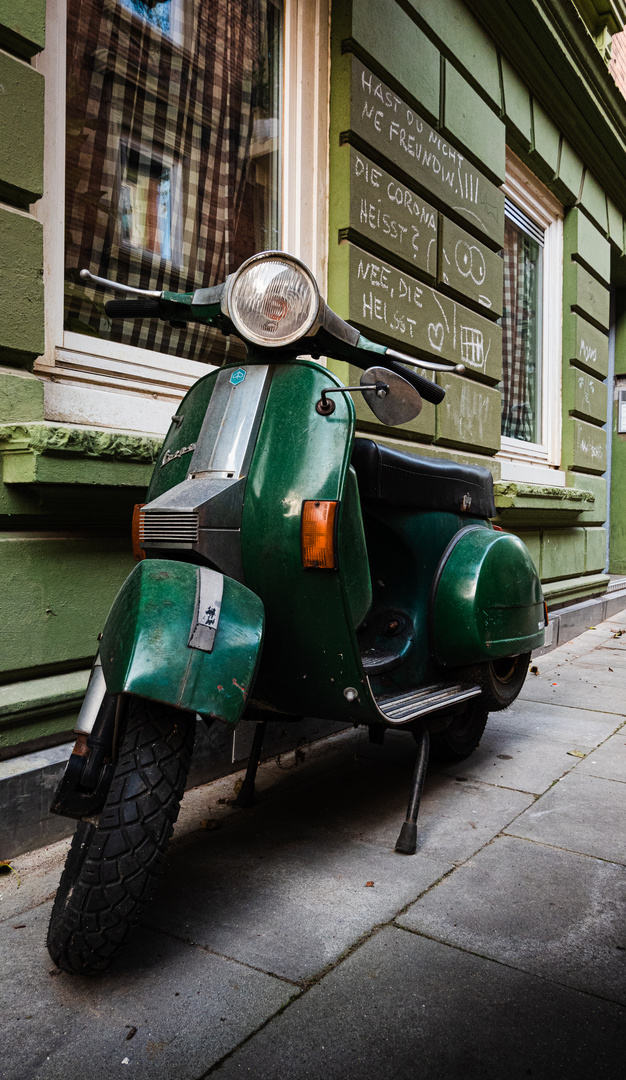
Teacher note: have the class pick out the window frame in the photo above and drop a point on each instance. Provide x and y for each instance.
(525, 461)
(101, 383)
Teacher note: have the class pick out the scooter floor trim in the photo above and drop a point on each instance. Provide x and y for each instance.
(426, 699)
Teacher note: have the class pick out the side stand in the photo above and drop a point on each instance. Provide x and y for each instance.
(245, 798)
(406, 843)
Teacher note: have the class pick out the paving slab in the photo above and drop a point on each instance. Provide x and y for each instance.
(403, 1007)
(368, 801)
(525, 762)
(189, 1008)
(546, 911)
(587, 691)
(285, 897)
(609, 760)
(545, 720)
(581, 813)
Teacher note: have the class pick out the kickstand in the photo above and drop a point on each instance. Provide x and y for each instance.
(245, 798)
(406, 843)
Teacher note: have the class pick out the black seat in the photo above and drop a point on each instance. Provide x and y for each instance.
(404, 480)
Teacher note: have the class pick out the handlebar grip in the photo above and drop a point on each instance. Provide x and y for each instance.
(133, 309)
(429, 390)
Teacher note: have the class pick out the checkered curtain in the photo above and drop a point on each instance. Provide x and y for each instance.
(187, 103)
(519, 337)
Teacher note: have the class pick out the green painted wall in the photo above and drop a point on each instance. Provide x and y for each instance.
(465, 100)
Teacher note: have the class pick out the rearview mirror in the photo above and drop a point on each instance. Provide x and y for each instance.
(398, 404)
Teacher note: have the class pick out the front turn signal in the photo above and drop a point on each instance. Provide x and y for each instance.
(138, 551)
(318, 534)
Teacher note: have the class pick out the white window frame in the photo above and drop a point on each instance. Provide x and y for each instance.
(540, 462)
(90, 381)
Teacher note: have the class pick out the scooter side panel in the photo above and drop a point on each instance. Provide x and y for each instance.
(145, 651)
(310, 654)
(487, 600)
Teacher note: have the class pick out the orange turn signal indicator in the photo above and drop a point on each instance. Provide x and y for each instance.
(138, 551)
(318, 533)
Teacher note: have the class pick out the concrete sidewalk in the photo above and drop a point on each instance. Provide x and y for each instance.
(291, 941)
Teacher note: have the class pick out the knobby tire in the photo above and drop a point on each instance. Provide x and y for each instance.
(113, 867)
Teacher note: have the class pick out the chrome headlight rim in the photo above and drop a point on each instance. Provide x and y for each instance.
(308, 328)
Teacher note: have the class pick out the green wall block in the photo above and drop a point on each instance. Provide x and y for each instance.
(595, 557)
(570, 174)
(546, 141)
(21, 132)
(57, 590)
(368, 204)
(584, 446)
(562, 553)
(392, 39)
(388, 303)
(585, 345)
(21, 396)
(594, 201)
(517, 109)
(470, 268)
(470, 122)
(583, 241)
(21, 288)
(597, 515)
(22, 26)
(574, 590)
(584, 396)
(38, 708)
(469, 415)
(533, 543)
(616, 225)
(465, 40)
(584, 294)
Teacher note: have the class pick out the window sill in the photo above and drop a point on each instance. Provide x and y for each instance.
(540, 504)
(49, 453)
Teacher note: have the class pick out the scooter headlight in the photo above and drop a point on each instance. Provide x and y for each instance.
(273, 299)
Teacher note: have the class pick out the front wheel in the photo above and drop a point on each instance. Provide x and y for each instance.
(112, 868)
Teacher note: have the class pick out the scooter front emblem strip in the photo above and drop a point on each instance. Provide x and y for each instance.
(209, 592)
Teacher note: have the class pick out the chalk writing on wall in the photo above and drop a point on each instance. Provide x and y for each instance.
(395, 130)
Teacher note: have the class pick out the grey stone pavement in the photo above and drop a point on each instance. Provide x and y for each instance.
(291, 941)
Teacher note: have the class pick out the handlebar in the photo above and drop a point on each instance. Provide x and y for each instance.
(133, 309)
(428, 390)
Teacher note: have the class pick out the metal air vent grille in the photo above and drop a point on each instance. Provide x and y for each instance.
(168, 526)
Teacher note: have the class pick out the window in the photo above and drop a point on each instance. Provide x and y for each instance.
(172, 153)
(531, 327)
(181, 137)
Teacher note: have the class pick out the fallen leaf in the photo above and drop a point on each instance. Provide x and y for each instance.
(591, 627)
(618, 633)
(20, 926)
(610, 669)
(534, 670)
(210, 824)
(576, 753)
(555, 684)
(6, 868)
(238, 786)
(131, 1034)
(369, 884)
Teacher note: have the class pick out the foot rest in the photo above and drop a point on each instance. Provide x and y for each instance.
(424, 699)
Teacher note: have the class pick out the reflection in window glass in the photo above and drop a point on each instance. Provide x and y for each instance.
(173, 152)
(521, 334)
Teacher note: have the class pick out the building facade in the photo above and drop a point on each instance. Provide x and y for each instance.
(451, 171)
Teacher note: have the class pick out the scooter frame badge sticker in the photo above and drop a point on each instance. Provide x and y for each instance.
(209, 590)
(238, 376)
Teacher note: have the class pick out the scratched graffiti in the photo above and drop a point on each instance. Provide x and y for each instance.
(383, 299)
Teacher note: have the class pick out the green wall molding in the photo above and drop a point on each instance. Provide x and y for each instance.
(540, 504)
(22, 26)
(568, 591)
(50, 438)
(40, 708)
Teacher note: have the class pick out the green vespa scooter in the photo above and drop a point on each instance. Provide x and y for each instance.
(288, 570)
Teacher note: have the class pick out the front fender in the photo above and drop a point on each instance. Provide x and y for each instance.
(486, 600)
(146, 650)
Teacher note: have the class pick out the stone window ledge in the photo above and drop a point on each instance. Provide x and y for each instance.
(529, 504)
(50, 453)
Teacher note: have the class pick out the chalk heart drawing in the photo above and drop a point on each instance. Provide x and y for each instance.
(435, 335)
